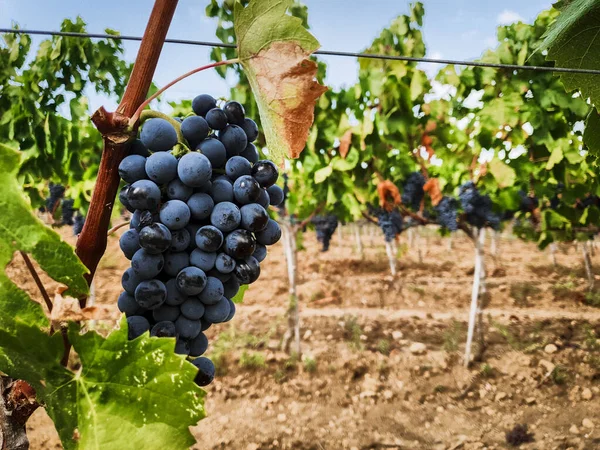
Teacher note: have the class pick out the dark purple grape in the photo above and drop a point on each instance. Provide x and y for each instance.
(203, 103)
(235, 112)
(155, 238)
(240, 244)
(265, 172)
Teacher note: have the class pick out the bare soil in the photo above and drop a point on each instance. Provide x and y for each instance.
(363, 382)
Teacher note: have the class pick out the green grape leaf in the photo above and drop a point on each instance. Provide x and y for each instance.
(323, 173)
(345, 164)
(591, 134)
(555, 157)
(504, 175)
(21, 230)
(239, 297)
(273, 48)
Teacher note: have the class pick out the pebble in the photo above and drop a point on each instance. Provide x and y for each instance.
(586, 394)
(397, 335)
(587, 423)
(500, 396)
(281, 417)
(574, 429)
(418, 348)
(550, 348)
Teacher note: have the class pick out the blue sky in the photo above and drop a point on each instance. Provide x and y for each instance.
(453, 29)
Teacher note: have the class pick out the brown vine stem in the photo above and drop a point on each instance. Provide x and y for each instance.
(116, 227)
(116, 135)
(136, 116)
(37, 280)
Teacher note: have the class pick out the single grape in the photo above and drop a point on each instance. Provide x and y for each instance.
(203, 260)
(138, 148)
(254, 217)
(158, 135)
(218, 312)
(194, 169)
(235, 112)
(237, 166)
(129, 243)
(226, 216)
(206, 371)
(209, 238)
(222, 277)
(193, 309)
(161, 167)
(182, 347)
(155, 238)
(123, 198)
(216, 118)
(137, 325)
(130, 280)
(276, 196)
(150, 294)
(180, 240)
(175, 214)
(128, 305)
(265, 172)
(194, 129)
(132, 168)
(239, 244)
(260, 253)
(247, 271)
(246, 190)
(212, 292)
(163, 329)
(222, 190)
(270, 235)
(147, 265)
(214, 150)
(198, 345)
(165, 312)
(201, 205)
(186, 328)
(175, 262)
(224, 263)
(203, 103)
(144, 195)
(250, 128)
(250, 153)
(177, 190)
(264, 200)
(204, 324)
(142, 218)
(234, 139)
(191, 280)
(231, 311)
(231, 287)
(174, 296)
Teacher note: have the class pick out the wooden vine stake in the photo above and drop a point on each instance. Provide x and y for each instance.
(478, 240)
(293, 314)
(587, 261)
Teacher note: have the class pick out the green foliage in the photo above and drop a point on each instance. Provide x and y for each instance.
(570, 42)
(44, 111)
(126, 393)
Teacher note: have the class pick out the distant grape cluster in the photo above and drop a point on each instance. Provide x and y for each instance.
(67, 211)
(447, 213)
(57, 191)
(412, 192)
(199, 227)
(78, 223)
(325, 226)
(528, 203)
(477, 207)
(390, 222)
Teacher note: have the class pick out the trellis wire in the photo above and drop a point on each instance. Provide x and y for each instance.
(318, 52)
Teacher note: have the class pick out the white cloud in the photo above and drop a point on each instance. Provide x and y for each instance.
(507, 17)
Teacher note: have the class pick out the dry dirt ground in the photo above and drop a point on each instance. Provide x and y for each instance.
(381, 363)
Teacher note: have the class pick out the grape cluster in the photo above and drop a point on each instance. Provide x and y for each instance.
(446, 211)
(528, 203)
(412, 192)
(57, 191)
(199, 227)
(325, 226)
(78, 223)
(67, 211)
(588, 200)
(390, 222)
(477, 207)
